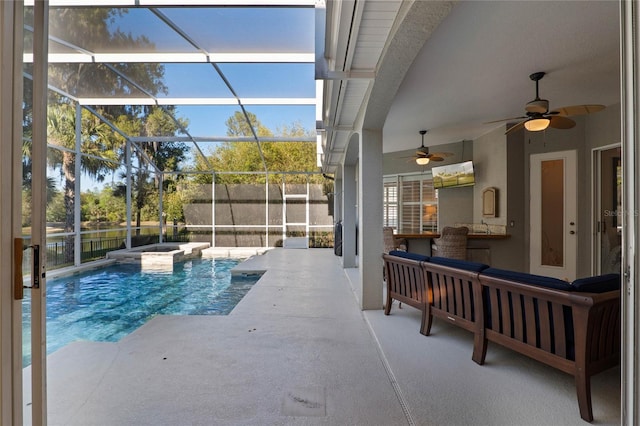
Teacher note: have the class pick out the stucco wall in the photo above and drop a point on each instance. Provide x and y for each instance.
(490, 161)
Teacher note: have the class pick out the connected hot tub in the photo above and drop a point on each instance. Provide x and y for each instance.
(160, 256)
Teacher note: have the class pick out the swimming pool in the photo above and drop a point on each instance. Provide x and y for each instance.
(106, 304)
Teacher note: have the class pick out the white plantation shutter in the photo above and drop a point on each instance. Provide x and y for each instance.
(410, 202)
(390, 201)
(417, 204)
(429, 206)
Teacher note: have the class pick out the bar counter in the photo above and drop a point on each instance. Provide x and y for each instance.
(478, 244)
(437, 235)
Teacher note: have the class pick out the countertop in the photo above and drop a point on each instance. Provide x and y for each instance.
(469, 236)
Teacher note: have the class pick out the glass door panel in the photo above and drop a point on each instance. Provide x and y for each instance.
(609, 225)
(552, 213)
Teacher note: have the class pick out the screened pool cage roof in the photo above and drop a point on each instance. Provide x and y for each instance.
(218, 57)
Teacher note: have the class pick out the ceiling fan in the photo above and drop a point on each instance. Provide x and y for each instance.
(424, 157)
(538, 117)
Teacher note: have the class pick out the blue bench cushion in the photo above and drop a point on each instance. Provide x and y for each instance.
(537, 280)
(460, 264)
(597, 284)
(532, 279)
(409, 255)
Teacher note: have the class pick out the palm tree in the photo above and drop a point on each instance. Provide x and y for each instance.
(96, 139)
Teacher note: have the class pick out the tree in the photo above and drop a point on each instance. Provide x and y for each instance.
(290, 162)
(56, 209)
(93, 29)
(27, 120)
(166, 156)
(245, 156)
(96, 139)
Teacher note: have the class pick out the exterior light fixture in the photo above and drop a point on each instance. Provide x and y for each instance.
(536, 124)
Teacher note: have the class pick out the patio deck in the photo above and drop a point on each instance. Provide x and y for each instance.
(297, 350)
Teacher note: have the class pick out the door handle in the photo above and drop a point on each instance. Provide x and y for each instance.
(18, 284)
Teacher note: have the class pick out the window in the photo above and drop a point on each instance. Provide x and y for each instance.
(410, 203)
(390, 201)
(429, 206)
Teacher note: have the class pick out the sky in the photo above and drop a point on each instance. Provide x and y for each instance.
(226, 30)
(229, 30)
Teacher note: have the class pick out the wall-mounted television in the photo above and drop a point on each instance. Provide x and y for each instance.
(453, 175)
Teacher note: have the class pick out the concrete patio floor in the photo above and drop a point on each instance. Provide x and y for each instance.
(297, 350)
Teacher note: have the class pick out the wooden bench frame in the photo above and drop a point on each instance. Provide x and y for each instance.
(452, 295)
(595, 321)
(534, 327)
(407, 283)
(436, 290)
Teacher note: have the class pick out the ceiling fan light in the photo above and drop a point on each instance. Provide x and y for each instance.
(536, 124)
(422, 161)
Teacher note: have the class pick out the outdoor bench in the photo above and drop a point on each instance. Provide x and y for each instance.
(453, 293)
(406, 282)
(573, 327)
(437, 286)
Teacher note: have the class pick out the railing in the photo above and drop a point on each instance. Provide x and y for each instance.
(90, 250)
(98, 249)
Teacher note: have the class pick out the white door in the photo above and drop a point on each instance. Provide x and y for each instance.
(553, 219)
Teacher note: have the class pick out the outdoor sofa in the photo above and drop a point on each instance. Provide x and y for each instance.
(574, 327)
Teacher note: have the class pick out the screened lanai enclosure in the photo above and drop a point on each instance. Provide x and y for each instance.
(177, 124)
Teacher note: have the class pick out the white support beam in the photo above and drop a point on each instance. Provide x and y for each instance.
(630, 299)
(370, 202)
(349, 216)
(195, 101)
(350, 75)
(258, 3)
(176, 58)
(128, 191)
(305, 139)
(164, 3)
(77, 190)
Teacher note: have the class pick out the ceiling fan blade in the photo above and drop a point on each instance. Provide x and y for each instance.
(515, 127)
(442, 154)
(560, 122)
(436, 158)
(577, 110)
(505, 119)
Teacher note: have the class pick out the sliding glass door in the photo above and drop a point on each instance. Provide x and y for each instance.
(608, 208)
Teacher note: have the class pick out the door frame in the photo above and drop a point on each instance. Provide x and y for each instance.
(14, 409)
(11, 92)
(38, 214)
(570, 239)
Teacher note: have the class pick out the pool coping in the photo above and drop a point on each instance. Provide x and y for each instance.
(247, 267)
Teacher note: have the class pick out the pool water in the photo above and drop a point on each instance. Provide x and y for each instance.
(104, 305)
